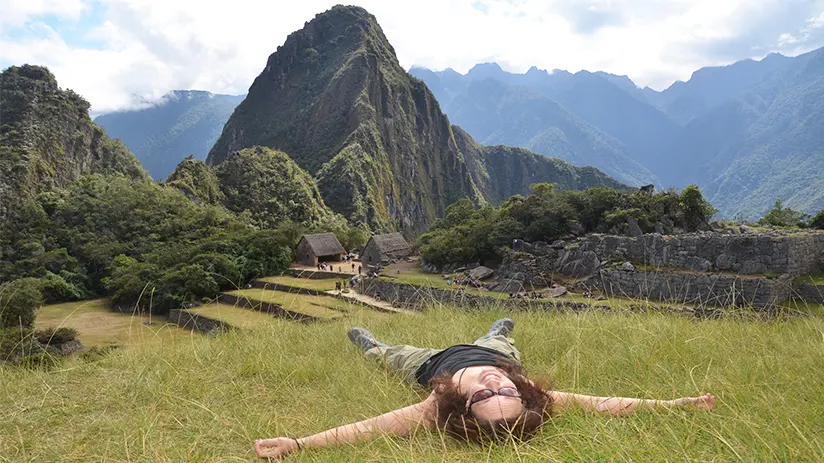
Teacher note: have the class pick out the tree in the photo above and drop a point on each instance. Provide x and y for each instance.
(780, 216)
(696, 209)
(19, 301)
(817, 222)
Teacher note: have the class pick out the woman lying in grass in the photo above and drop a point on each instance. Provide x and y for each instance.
(480, 392)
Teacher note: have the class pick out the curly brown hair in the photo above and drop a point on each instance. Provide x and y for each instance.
(456, 419)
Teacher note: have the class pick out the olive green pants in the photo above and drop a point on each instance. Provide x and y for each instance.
(405, 360)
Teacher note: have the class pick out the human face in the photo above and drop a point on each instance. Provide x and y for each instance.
(497, 407)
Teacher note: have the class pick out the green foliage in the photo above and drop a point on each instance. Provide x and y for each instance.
(19, 301)
(53, 336)
(817, 222)
(197, 181)
(468, 233)
(139, 242)
(47, 138)
(696, 209)
(784, 217)
(271, 187)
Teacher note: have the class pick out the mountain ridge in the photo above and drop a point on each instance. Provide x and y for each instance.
(336, 100)
(181, 123)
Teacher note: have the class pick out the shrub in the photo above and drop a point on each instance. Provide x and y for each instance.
(817, 222)
(52, 336)
(19, 301)
(784, 217)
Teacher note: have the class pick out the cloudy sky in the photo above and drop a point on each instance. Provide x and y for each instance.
(119, 53)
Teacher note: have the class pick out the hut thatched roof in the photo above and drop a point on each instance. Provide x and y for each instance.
(390, 242)
(324, 244)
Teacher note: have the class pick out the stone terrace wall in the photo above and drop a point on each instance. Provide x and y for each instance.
(193, 321)
(416, 297)
(317, 274)
(809, 292)
(790, 253)
(699, 289)
(269, 308)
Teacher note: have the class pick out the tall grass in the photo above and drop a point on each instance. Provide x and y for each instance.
(208, 398)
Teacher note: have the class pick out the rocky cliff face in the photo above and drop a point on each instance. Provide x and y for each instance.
(47, 139)
(335, 98)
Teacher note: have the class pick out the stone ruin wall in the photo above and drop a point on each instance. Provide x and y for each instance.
(698, 289)
(792, 253)
(706, 268)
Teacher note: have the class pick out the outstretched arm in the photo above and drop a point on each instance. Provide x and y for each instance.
(397, 422)
(626, 405)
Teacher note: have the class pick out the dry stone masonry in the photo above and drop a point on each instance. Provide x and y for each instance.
(740, 268)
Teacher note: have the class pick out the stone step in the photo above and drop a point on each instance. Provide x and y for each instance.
(288, 304)
(234, 316)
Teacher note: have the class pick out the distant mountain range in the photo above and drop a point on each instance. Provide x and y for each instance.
(748, 133)
(182, 123)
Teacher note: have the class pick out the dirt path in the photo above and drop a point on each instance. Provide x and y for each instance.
(371, 302)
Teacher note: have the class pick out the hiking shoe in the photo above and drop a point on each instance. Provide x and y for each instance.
(501, 327)
(362, 338)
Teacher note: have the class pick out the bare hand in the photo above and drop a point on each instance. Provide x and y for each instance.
(275, 448)
(705, 401)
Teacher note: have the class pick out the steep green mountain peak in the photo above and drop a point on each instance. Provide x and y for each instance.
(47, 139)
(336, 100)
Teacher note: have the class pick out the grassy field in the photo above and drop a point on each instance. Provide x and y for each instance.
(317, 306)
(98, 326)
(320, 285)
(208, 399)
(235, 316)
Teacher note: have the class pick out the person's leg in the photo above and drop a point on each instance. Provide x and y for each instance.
(404, 360)
(497, 339)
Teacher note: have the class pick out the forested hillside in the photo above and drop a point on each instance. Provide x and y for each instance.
(48, 140)
(183, 123)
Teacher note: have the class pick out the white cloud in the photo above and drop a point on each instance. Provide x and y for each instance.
(816, 22)
(16, 12)
(153, 47)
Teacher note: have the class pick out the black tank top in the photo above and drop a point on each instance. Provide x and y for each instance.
(458, 357)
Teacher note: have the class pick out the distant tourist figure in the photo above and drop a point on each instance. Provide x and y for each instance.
(353, 266)
(337, 286)
(340, 269)
(480, 393)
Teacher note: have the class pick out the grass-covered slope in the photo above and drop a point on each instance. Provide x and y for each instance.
(47, 139)
(183, 123)
(208, 398)
(335, 98)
